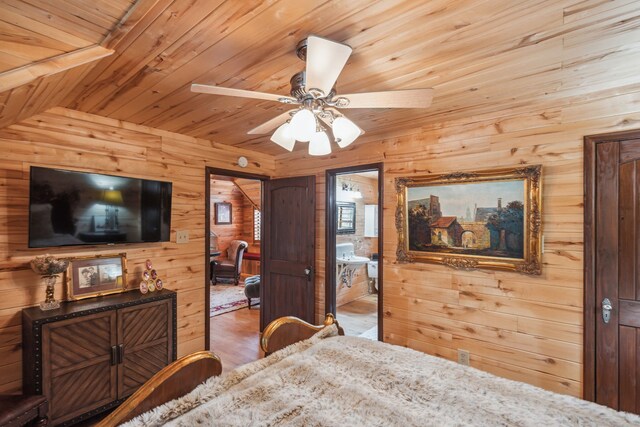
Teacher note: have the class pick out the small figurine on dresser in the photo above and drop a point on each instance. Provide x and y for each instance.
(49, 267)
(150, 280)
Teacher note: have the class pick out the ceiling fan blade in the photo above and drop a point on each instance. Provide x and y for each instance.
(409, 98)
(325, 61)
(226, 91)
(270, 125)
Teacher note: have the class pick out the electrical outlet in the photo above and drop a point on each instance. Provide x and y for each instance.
(182, 236)
(463, 357)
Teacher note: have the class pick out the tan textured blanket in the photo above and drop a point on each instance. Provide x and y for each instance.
(350, 381)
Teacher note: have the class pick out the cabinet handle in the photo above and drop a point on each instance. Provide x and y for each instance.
(114, 355)
(120, 353)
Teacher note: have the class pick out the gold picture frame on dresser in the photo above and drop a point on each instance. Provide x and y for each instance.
(96, 275)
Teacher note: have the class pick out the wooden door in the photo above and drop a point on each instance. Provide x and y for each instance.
(617, 266)
(145, 343)
(79, 367)
(287, 286)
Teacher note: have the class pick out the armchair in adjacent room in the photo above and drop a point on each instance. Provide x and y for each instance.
(231, 267)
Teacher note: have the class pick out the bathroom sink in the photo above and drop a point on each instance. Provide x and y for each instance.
(348, 262)
(345, 254)
(353, 260)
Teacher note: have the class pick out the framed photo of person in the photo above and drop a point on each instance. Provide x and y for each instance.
(94, 276)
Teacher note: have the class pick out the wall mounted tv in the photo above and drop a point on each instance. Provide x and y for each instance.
(68, 208)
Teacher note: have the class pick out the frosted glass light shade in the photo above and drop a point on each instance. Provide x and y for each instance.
(303, 125)
(284, 137)
(319, 144)
(345, 131)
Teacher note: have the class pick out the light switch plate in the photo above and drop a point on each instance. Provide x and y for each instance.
(182, 236)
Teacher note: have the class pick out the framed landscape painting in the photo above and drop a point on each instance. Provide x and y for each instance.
(468, 220)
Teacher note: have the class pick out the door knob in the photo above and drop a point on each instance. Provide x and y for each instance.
(606, 310)
(307, 272)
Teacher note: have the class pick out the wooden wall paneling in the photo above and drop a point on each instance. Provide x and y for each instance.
(570, 68)
(225, 191)
(249, 267)
(252, 190)
(74, 140)
(516, 326)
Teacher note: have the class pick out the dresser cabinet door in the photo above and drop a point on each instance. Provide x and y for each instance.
(79, 368)
(145, 334)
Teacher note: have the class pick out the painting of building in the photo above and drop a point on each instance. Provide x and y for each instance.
(441, 218)
(446, 231)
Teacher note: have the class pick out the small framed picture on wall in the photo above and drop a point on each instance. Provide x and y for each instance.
(223, 213)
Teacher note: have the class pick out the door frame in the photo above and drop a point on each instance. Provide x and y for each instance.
(330, 236)
(590, 303)
(207, 231)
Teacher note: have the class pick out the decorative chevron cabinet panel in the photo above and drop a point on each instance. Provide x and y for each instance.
(77, 369)
(145, 332)
(90, 355)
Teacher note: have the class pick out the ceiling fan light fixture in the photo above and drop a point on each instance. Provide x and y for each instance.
(345, 131)
(314, 93)
(303, 125)
(284, 137)
(319, 144)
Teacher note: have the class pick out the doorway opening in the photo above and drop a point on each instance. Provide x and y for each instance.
(233, 243)
(354, 246)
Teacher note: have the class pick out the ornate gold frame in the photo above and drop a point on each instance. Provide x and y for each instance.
(531, 261)
(68, 277)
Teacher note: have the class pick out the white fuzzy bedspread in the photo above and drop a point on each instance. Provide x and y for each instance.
(350, 381)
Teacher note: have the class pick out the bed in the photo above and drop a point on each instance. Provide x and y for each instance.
(316, 376)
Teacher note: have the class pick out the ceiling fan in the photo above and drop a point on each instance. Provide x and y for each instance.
(317, 115)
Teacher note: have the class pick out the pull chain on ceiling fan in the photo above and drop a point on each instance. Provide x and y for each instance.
(317, 115)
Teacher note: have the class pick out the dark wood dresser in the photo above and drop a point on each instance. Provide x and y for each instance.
(88, 356)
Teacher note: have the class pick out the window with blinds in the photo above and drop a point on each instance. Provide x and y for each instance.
(257, 223)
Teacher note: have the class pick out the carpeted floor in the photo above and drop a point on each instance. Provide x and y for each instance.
(226, 298)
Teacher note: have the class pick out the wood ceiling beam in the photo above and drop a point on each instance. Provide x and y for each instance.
(50, 66)
(136, 13)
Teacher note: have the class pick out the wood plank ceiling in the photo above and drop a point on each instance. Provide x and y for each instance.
(46, 47)
(476, 54)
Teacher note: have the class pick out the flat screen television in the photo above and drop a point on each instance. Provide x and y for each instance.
(68, 208)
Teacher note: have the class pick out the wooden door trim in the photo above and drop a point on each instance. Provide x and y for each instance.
(208, 171)
(330, 236)
(590, 303)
